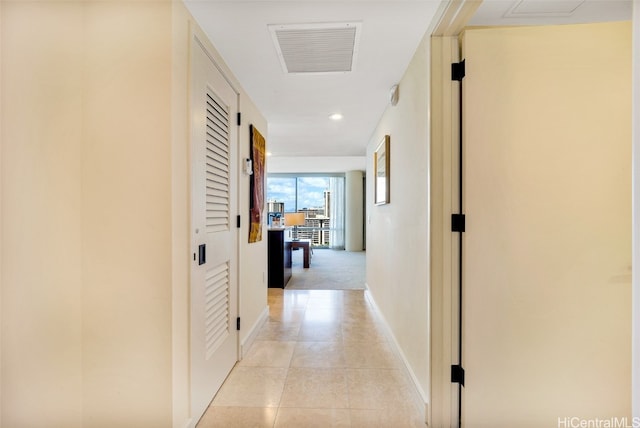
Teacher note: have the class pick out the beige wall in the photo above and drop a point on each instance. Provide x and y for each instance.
(1, 175)
(353, 211)
(181, 240)
(547, 314)
(41, 214)
(253, 257)
(95, 314)
(126, 214)
(636, 210)
(397, 233)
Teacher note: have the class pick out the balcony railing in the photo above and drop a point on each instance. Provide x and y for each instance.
(319, 237)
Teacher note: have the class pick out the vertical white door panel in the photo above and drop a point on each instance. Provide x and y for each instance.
(546, 265)
(214, 203)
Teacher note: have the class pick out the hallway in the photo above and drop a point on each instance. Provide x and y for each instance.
(321, 360)
(330, 270)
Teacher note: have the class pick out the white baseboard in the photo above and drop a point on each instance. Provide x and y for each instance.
(253, 333)
(398, 351)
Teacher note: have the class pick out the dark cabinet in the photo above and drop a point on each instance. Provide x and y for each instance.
(279, 258)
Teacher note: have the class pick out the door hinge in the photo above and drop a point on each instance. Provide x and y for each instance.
(238, 323)
(239, 118)
(457, 223)
(457, 71)
(457, 374)
(238, 221)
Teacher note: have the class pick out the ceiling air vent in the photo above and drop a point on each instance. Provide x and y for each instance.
(317, 48)
(543, 8)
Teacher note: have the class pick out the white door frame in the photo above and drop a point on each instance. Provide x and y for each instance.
(445, 136)
(635, 204)
(443, 276)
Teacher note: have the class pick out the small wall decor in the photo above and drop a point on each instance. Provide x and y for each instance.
(256, 186)
(381, 169)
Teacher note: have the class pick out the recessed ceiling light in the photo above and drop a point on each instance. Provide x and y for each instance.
(268, 153)
(335, 116)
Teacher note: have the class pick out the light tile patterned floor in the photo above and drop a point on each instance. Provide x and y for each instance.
(321, 360)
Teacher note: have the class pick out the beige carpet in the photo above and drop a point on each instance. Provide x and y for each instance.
(329, 270)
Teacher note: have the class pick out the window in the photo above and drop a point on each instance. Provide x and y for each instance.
(282, 189)
(320, 197)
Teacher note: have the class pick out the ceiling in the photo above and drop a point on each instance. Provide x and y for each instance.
(550, 12)
(297, 106)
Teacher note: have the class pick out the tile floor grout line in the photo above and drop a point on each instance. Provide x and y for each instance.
(372, 410)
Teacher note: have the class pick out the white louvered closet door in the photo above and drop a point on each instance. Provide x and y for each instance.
(214, 339)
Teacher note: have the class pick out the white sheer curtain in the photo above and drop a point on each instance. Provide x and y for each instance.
(336, 236)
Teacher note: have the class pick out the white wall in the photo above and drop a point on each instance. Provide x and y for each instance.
(397, 233)
(312, 164)
(95, 259)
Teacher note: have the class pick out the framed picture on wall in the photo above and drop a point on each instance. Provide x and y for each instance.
(381, 169)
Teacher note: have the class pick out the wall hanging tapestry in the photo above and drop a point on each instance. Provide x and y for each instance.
(256, 190)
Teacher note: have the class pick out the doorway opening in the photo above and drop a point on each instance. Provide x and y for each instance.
(318, 202)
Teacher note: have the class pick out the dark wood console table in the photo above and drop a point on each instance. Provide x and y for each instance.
(279, 249)
(305, 244)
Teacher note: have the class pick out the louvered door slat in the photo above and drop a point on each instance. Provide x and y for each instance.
(219, 223)
(215, 102)
(214, 152)
(215, 205)
(216, 135)
(216, 124)
(216, 200)
(216, 175)
(219, 108)
(216, 307)
(215, 191)
(217, 139)
(217, 165)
